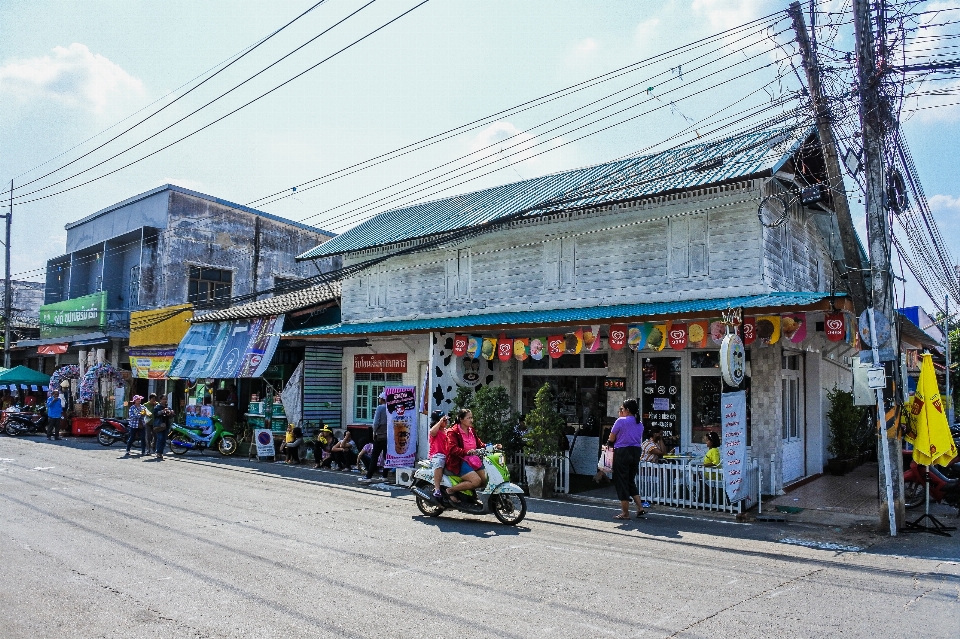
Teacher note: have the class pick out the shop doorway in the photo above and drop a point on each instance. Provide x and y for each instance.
(793, 418)
(660, 398)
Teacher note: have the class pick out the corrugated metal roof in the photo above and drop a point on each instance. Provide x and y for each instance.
(285, 303)
(571, 316)
(676, 169)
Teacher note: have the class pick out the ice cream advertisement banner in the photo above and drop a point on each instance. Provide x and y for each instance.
(401, 426)
(733, 449)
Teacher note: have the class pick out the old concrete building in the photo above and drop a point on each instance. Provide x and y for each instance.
(165, 247)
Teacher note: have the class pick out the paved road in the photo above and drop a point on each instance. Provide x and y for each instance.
(92, 545)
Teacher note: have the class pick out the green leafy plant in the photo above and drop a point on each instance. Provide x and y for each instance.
(544, 428)
(845, 421)
(493, 418)
(464, 398)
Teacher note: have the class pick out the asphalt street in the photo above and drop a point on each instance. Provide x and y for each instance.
(95, 545)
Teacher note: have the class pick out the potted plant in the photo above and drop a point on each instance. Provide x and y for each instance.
(844, 420)
(493, 418)
(541, 442)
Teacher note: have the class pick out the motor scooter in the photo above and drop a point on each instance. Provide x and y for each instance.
(942, 489)
(112, 430)
(183, 438)
(499, 497)
(14, 422)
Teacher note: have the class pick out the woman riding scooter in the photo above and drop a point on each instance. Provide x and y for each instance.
(463, 446)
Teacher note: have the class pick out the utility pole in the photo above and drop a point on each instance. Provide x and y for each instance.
(946, 350)
(838, 193)
(874, 122)
(7, 288)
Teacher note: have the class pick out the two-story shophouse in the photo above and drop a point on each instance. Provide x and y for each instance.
(608, 282)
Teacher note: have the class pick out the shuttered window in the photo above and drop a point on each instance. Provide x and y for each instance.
(559, 263)
(688, 255)
(376, 287)
(459, 265)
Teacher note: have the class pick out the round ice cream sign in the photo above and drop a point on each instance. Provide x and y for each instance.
(732, 359)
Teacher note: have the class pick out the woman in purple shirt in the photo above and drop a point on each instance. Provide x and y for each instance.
(625, 438)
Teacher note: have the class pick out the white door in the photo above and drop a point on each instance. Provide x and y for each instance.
(793, 462)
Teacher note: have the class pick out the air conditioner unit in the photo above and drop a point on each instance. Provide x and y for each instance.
(405, 477)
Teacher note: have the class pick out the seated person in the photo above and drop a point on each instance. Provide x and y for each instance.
(322, 445)
(653, 449)
(344, 452)
(364, 459)
(293, 445)
(712, 458)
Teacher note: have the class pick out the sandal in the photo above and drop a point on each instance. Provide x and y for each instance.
(641, 513)
(621, 516)
(453, 500)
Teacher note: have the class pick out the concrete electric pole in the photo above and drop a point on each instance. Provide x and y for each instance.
(875, 122)
(838, 193)
(7, 288)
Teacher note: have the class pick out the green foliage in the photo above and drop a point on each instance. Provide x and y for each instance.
(493, 418)
(544, 427)
(464, 398)
(846, 422)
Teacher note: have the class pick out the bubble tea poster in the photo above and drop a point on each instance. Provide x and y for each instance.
(401, 426)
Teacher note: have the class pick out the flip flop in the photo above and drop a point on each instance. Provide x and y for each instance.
(641, 513)
(453, 500)
(621, 516)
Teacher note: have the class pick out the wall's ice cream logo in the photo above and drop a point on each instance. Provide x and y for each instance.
(677, 334)
(504, 348)
(460, 345)
(618, 336)
(834, 327)
(749, 329)
(555, 345)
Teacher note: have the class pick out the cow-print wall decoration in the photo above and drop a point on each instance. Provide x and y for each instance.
(450, 371)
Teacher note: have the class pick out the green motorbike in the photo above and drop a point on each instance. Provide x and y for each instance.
(184, 438)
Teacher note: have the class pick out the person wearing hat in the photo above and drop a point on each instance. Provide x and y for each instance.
(135, 425)
(379, 438)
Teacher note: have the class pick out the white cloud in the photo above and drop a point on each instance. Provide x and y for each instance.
(944, 203)
(516, 145)
(586, 46)
(71, 75)
(726, 14)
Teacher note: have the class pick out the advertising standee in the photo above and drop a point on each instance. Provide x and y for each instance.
(401, 426)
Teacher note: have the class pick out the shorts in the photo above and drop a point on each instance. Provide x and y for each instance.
(438, 460)
(466, 468)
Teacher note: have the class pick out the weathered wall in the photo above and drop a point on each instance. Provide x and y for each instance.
(123, 218)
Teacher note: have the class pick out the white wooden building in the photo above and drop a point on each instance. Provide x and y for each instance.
(671, 237)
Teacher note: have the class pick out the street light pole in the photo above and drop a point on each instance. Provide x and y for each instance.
(7, 288)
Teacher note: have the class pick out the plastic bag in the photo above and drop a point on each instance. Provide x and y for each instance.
(605, 464)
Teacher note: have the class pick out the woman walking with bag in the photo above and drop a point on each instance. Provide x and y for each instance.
(626, 439)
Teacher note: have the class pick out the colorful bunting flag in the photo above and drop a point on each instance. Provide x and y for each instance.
(460, 345)
(474, 346)
(677, 336)
(697, 334)
(656, 336)
(794, 327)
(834, 326)
(617, 336)
(521, 348)
(591, 338)
(555, 345)
(538, 347)
(489, 348)
(749, 330)
(504, 348)
(768, 330)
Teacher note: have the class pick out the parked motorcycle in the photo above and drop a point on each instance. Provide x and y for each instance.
(500, 497)
(942, 489)
(112, 430)
(183, 438)
(23, 423)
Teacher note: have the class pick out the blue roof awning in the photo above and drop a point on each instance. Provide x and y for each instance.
(567, 315)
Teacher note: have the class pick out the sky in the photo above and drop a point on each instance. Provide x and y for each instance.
(70, 71)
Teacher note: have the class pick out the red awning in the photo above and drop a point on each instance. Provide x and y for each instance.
(52, 349)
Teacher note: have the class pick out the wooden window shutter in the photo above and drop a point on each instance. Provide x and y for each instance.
(697, 246)
(453, 275)
(679, 262)
(551, 264)
(464, 272)
(568, 261)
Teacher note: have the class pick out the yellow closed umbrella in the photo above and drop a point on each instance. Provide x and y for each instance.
(929, 431)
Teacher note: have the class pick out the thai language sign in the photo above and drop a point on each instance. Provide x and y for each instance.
(733, 449)
(226, 350)
(380, 363)
(151, 363)
(79, 315)
(401, 426)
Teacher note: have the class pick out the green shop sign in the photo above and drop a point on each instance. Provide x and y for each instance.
(72, 317)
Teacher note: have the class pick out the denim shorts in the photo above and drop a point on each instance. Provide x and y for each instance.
(438, 460)
(466, 468)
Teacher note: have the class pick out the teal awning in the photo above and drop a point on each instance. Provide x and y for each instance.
(24, 375)
(602, 314)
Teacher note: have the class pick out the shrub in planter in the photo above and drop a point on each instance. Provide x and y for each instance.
(493, 418)
(845, 421)
(541, 441)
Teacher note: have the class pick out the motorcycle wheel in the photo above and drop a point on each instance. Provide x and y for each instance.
(10, 430)
(104, 439)
(509, 508)
(177, 449)
(227, 446)
(913, 494)
(427, 508)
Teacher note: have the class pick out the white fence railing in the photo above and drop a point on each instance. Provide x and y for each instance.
(561, 463)
(692, 485)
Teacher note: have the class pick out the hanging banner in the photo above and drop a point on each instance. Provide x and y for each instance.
(291, 397)
(573, 342)
(401, 426)
(749, 329)
(474, 346)
(834, 327)
(733, 449)
(460, 345)
(151, 363)
(718, 330)
(537, 347)
(768, 330)
(555, 345)
(591, 338)
(521, 348)
(657, 337)
(225, 350)
(52, 349)
(637, 336)
(697, 334)
(617, 336)
(489, 348)
(75, 316)
(504, 348)
(794, 327)
(677, 336)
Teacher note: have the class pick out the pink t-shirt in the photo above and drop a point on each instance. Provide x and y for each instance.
(469, 439)
(438, 443)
